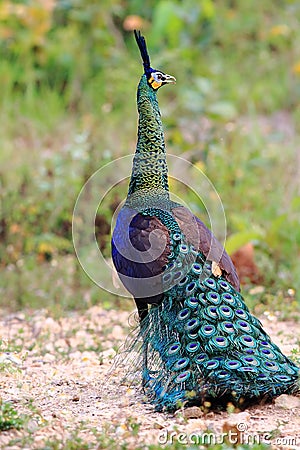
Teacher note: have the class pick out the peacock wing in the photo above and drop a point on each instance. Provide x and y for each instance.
(140, 248)
(202, 238)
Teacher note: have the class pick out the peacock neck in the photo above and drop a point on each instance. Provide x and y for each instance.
(149, 171)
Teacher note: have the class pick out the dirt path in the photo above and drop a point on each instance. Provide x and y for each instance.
(57, 375)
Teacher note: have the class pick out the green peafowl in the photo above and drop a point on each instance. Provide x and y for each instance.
(197, 339)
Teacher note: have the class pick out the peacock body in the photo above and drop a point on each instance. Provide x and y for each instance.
(198, 341)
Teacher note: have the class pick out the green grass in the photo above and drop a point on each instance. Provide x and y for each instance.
(9, 417)
(68, 107)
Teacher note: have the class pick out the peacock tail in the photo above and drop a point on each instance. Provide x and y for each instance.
(197, 341)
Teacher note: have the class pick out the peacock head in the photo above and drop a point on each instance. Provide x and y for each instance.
(155, 78)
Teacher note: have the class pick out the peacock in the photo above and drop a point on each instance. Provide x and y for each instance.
(197, 340)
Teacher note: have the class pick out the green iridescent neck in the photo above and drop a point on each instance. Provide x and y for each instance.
(149, 169)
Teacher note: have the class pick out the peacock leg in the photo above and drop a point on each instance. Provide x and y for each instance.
(145, 372)
(143, 312)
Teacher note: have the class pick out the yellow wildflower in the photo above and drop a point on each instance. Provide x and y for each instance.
(296, 68)
(44, 247)
(279, 30)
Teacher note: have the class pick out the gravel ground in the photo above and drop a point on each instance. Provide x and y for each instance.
(58, 374)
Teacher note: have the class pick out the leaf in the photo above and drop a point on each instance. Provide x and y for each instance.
(237, 240)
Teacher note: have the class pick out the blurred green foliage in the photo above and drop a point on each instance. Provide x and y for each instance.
(68, 76)
(9, 417)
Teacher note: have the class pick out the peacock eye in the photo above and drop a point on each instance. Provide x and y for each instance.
(158, 76)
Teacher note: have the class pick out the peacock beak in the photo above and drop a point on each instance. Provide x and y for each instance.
(169, 79)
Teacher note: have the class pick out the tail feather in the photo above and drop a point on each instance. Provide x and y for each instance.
(183, 368)
(203, 344)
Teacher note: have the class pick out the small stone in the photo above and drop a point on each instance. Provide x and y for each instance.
(32, 425)
(287, 402)
(236, 423)
(196, 425)
(190, 413)
(237, 418)
(49, 357)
